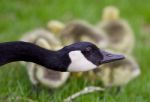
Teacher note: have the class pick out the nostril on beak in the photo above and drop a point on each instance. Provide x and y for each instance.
(109, 57)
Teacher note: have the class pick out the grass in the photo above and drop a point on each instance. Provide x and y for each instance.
(20, 16)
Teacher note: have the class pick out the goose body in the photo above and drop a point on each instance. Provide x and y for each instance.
(68, 58)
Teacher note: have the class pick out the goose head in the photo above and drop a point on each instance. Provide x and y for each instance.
(85, 56)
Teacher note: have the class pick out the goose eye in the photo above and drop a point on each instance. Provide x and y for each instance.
(88, 49)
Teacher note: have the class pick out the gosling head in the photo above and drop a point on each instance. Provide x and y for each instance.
(110, 13)
(85, 56)
(55, 26)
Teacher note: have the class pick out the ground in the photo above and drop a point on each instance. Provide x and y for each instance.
(20, 16)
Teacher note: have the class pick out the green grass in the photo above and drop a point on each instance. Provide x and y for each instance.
(20, 16)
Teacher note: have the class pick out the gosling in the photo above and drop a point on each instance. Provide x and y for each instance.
(40, 75)
(118, 74)
(78, 30)
(120, 34)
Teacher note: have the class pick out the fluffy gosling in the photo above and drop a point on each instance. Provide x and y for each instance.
(120, 34)
(118, 74)
(49, 78)
(82, 31)
(38, 74)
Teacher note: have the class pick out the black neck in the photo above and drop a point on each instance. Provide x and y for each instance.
(23, 51)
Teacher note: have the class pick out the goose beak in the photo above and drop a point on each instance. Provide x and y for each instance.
(109, 57)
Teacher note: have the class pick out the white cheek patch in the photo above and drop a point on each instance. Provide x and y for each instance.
(79, 62)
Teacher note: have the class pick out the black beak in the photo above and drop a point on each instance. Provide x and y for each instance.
(109, 57)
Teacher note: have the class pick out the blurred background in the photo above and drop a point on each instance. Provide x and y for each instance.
(20, 16)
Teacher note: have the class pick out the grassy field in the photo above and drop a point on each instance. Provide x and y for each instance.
(20, 16)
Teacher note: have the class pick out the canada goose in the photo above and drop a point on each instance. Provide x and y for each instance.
(82, 31)
(118, 73)
(120, 35)
(81, 56)
(55, 27)
(47, 77)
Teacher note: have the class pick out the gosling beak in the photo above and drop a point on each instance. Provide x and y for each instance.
(109, 57)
